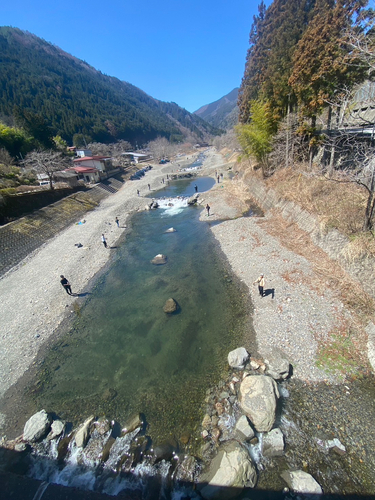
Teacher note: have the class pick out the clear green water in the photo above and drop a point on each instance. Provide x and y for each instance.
(124, 354)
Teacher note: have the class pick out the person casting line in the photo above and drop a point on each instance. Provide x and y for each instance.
(261, 284)
(65, 283)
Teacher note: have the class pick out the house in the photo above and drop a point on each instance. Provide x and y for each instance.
(101, 163)
(136, 157)
(89, 175)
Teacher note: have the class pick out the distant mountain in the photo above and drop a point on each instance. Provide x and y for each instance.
(75, 98)
(222, 113)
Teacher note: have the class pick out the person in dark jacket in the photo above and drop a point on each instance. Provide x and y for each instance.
(65, 283)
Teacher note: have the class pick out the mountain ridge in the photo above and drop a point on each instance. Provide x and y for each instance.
(75, 98)
(222, 113)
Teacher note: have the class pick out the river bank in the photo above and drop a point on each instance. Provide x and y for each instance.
(297, 316)
(33, 302)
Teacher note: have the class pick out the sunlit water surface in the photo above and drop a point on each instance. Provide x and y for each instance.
(124, 354)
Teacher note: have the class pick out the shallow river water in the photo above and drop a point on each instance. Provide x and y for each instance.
(123, 354)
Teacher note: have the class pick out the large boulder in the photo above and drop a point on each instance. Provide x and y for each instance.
(170, 306)
(83, 433)
(238, 358)
(273, 443)
(229, 472)
(36, 427)
(258, 397)
(301, 482)
(159, 259)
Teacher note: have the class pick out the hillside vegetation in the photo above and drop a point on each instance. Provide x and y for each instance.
(74, 98)
(300, 110)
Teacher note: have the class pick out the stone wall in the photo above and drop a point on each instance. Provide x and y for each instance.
(333, 243)
(22, 236)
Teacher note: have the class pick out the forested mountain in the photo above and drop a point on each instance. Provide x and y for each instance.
(74, 98)
(222, 113)
(298, 55)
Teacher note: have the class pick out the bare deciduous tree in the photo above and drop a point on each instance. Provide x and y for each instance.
(161, 148)
(46, 162)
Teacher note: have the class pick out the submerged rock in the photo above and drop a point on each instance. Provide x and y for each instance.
(258, 395)
(170, 306)
(301, 482)
(159, 260)
(238, 358)
(37, 426)
(230, 471)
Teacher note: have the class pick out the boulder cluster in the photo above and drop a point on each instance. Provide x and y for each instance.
(240, 423)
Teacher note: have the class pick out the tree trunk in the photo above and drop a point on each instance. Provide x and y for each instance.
(331, 161)
(370, 202)
(369, 212)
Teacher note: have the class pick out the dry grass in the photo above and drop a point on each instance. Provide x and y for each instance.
(347, 343)
(336, 205)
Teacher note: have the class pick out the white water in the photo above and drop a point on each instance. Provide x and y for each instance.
(172, 206)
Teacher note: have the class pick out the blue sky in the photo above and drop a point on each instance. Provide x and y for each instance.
(189, 52)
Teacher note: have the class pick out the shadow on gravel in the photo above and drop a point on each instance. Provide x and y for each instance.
(269, 291)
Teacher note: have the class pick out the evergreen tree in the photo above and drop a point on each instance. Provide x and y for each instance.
(322, 62)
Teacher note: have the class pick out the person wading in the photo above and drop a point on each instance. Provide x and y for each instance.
(261, 284)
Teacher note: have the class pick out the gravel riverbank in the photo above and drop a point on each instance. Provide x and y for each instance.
(294, 316)
(33, 302)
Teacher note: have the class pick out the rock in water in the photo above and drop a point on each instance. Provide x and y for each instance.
(57, 428)
(258, 395)
(170, 306)
(171, 230)
(82, 435)
(193, 199)
(37, 426)
(238, 358)
(273, 444)
(301, 482)
(159, 259)
(244, 432)
(134, 422)
(231, 470)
